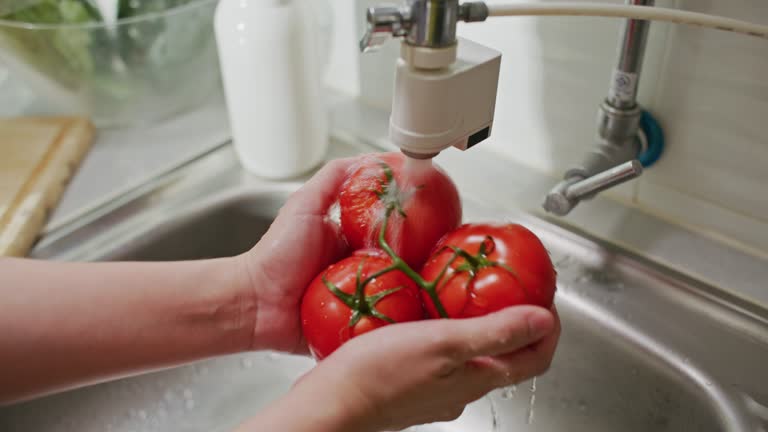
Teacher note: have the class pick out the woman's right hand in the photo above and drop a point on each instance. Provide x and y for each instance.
(427, 371)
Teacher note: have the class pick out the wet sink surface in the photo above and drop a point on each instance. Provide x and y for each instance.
(642, 349)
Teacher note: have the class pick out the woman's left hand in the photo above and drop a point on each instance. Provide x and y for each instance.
(301, 242)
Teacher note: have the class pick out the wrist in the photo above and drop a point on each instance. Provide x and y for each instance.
(274, 325)
(233, 304)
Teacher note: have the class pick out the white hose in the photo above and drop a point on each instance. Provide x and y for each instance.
(634, 12)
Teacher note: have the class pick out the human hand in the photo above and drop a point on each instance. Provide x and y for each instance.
(299, 244)
(421, 372)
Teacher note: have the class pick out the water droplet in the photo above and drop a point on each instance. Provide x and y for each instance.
(169, 395)
(686, 360)
(582, 406)
(533, 385)
(187, 394)
(142, 414)
(273, 356)
(509, 392)
(246, 362)
(190, 404)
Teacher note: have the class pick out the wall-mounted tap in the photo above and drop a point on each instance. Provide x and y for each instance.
(615, 158)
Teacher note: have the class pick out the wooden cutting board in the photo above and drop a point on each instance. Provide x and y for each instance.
(38, 156)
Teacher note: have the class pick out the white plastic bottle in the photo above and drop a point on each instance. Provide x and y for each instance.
(271, 58)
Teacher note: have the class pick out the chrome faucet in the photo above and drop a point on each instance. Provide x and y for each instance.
(615, 158)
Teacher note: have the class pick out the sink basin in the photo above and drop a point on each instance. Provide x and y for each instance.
(642, 349)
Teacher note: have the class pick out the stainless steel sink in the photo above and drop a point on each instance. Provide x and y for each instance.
(643, 348)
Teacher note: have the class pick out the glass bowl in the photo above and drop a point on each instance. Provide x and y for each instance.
(157, 61)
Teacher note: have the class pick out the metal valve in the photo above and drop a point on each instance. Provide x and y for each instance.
(423, 23)
(384, 22)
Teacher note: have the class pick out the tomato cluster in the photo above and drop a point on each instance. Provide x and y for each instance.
(396, 225)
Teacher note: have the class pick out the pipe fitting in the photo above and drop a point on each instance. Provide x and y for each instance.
(617, 125)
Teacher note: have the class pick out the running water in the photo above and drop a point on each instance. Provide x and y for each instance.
(414, 169)
(532, 401)
(494, 414)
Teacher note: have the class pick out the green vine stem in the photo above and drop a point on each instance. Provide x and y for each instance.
(399, 264)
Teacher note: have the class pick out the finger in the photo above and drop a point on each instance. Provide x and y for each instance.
(502, 332)
(533, 360)
(317, 195)
(511, 368)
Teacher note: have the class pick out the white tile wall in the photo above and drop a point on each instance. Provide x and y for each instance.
(708, 88)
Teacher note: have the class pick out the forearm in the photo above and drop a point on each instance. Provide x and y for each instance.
(63, 325)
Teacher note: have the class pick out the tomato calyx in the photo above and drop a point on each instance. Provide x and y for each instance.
(361, 305)
(473, 264)
(389, 192)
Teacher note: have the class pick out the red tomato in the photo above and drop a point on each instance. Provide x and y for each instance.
(508, 265)
(330, 318)
(424, 201)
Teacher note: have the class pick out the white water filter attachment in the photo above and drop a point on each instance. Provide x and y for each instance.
(270, 53)
(443, 97)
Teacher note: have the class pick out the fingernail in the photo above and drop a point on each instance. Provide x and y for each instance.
(540, 324)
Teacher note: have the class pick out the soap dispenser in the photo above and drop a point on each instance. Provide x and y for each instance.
(271, 54)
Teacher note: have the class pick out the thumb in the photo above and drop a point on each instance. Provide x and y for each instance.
(502, 332)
